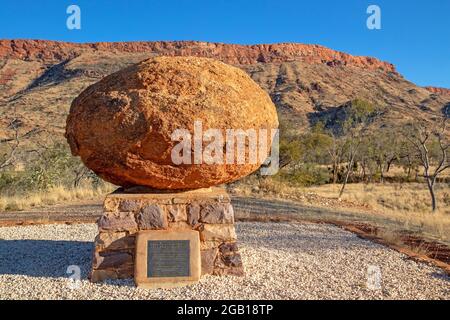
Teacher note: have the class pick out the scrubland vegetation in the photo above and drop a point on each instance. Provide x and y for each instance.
(400, 172)
(348, 147)
(383, 174)
(53, 176)
(53, 195)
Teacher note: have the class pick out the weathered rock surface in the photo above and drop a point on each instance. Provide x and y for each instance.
(121, 127)
(438, 90)
(217, 213)
(117, 221)
(152, 217)
(214, 232)
(176, 213)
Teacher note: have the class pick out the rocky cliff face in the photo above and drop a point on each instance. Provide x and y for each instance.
(53, 51)
(443, 91)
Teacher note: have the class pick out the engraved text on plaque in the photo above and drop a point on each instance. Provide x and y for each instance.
(168, 258)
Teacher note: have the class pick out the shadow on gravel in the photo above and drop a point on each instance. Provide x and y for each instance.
(44, 258)
(441, 276)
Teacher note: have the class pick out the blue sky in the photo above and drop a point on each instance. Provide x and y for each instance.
(415, 35)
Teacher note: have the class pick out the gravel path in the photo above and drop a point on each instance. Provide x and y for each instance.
(282, 261)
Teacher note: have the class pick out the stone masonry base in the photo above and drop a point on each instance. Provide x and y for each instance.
(126, 212)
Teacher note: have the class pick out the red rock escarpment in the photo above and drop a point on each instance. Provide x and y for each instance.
(443, 91)
(51, 51)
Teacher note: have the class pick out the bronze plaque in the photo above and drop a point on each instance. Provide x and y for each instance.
(168, 258)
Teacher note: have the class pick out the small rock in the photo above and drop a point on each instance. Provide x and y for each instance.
(208, 258)
(152, 217)
(193, 213)
(129, 205)
(176, 213)
(221, 232)
(111, 260)
(217, 213)
(114, 241)
(123, 221)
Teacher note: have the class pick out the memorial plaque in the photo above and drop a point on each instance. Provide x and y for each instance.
(167, 258)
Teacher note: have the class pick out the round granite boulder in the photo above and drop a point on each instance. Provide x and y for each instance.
(126, 126)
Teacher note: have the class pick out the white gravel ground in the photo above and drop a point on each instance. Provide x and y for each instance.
(282, 261)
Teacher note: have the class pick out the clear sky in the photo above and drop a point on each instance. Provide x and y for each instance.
(414, 35)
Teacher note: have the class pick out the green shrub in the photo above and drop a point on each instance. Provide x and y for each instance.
(9, 179)
(306, 175)
(54, 167)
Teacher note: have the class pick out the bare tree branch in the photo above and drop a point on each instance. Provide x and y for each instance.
(11, 157)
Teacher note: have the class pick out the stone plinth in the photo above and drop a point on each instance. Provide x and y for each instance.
(126, 212)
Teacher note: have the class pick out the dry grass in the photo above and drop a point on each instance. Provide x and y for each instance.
(406, 197)
(394, 238)
(407, 204)
(391, 206)
(52, 196)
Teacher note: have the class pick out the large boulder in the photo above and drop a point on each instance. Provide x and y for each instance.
(122, 126)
